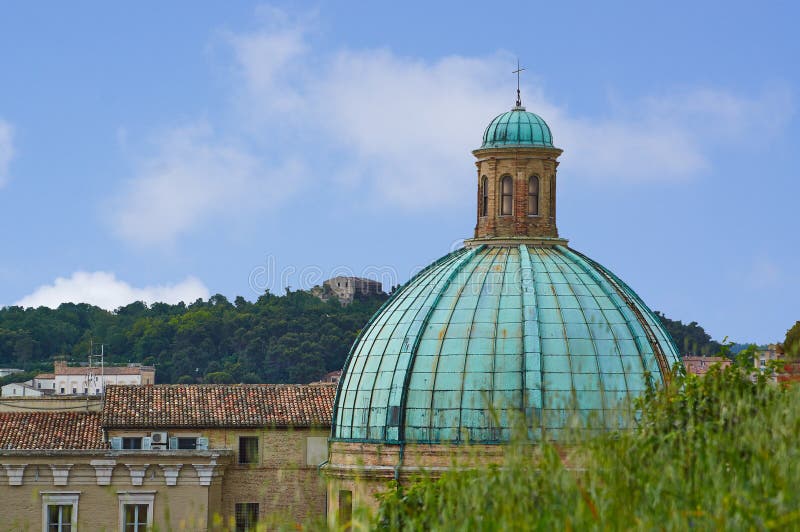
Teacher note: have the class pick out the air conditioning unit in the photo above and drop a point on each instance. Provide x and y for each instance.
(159, 439)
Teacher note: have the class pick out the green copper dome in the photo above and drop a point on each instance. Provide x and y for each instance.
(542, 330)
(517, 127)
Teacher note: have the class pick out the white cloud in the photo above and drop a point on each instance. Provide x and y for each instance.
(105, 290)
(195, 177)
(669, 137)
(6, 149)
(406, 125)
(399, 131)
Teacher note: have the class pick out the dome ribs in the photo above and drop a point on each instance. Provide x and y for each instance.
(465, 278)
(560, 337)
(632, 302)
(421, 327)
(533, 401)
(472, 426)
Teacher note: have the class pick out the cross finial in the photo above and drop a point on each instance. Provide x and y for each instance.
(517, 71)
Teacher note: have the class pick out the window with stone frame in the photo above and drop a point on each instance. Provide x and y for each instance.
(136, 511)
(60, 511)
(248, 449)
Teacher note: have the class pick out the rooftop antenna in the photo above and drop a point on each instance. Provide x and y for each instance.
(517, 71)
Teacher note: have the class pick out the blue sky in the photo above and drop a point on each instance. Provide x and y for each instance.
(167, 152)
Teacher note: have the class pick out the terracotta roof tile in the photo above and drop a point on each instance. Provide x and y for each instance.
(50, 430)
(218, 405)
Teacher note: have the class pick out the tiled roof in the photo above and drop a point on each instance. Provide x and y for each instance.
(46, 376)
(50, 430)
(218, 405)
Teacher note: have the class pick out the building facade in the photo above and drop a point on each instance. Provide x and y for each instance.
(91, 380)
(20, 389)
(697, 365)
(346, 289)
(169, 456)
(764, 356)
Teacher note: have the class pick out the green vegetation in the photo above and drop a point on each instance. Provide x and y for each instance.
(711, 453)
(294, 338)
(691, 338)
(791, 345)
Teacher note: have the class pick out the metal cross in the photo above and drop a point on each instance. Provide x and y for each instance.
(517, 71)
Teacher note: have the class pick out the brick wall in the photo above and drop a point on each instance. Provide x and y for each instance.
(520, 164)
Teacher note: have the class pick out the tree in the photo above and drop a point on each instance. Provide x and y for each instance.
(292, 338)
(219, 377)
(791, 345)
(691, 338)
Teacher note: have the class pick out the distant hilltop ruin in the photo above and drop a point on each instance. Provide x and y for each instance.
(346, 289)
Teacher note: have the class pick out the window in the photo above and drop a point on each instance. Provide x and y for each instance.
(246, 516)
(187, 443)
(248, 449)
(131, 443)
(506, 195)
(136, 511)
(59, 517)
(74, 391)
(533, 196)
(484, 196)
(135, 518)
(345, 508)
(86, 391)
(62, 390)
(60, 511)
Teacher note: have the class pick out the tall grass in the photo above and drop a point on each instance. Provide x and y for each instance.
(713, 452)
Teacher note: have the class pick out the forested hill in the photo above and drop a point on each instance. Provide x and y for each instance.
(295, 338)
(690, 338)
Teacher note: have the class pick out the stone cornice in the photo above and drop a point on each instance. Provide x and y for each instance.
(515, 241)
(515, 152)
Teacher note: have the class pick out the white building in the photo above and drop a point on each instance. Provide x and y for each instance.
(20, 389)
(46, 382)
(84, 380)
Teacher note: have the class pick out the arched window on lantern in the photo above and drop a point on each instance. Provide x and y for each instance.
(506, 195)
(484, 196)
(533, 196)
